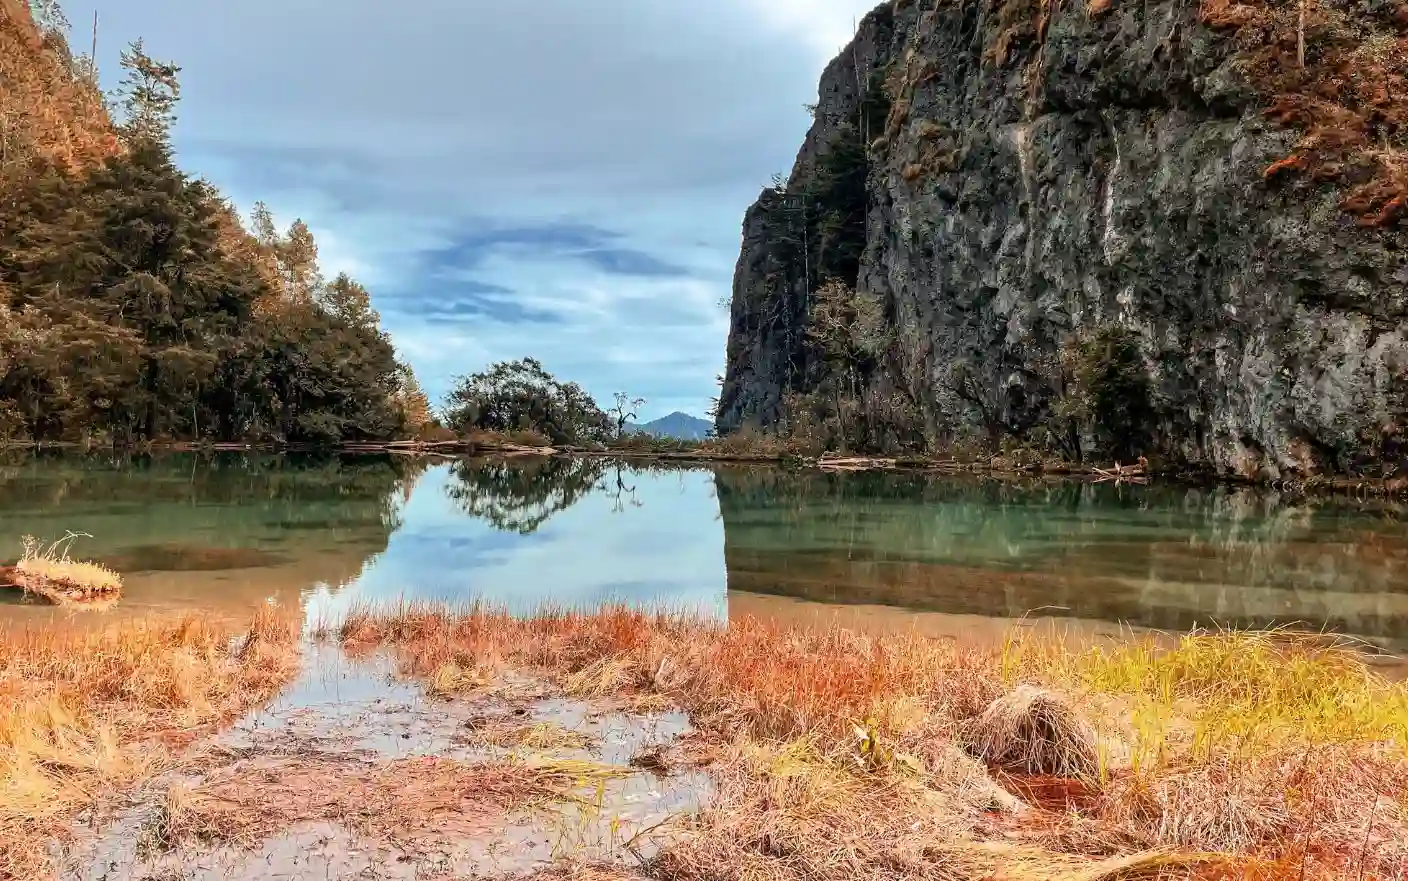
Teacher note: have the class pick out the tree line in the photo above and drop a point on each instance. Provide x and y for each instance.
(135, 305)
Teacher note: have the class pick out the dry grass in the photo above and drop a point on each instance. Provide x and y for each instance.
(537, 736)
(1347, 98)
(1034, 731)
(81, 713)
(416, 799)
(49, 572)
(837, 755)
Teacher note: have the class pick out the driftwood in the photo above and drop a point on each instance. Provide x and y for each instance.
(854, 463)
(1124, 473)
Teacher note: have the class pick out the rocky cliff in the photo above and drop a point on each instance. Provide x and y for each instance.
(1022, 187)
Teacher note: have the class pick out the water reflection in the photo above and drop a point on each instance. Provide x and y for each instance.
(218, 533)
(1170, 558)
(527, 532)
(225, 532)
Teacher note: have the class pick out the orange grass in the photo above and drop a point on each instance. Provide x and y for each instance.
(839, 754)
(84, 712)
(1346, 95)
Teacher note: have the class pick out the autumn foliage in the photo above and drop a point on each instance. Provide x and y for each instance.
(1339, 75)
(134, 305)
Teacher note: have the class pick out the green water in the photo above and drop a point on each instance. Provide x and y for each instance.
(226, 532)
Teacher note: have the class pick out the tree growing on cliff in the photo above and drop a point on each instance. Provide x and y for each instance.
(848, 326)
(1108, 395)
(149, 93)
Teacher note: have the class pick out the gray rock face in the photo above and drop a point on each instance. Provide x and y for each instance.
(1110, 173)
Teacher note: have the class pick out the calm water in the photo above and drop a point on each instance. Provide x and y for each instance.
(224, 533)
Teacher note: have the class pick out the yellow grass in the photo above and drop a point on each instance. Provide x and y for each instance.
(81, 713)
(417, 798)
(52, 574)
(839, 755)
(1240, 691)
(538, 736)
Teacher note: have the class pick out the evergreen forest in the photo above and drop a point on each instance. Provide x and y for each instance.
(136, 305)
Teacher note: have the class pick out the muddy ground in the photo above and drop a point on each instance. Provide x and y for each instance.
(356, 772)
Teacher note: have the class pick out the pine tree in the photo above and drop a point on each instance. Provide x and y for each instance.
(261, 223)
(298, 263)
(351, 303)
(127, 263)
(49, 17)
(149, 93)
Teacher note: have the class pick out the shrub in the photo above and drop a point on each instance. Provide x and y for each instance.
(1108, 394)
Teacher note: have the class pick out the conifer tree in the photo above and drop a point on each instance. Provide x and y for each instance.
(298, 263)
(149, 94)
(128, 297)
(351, 303)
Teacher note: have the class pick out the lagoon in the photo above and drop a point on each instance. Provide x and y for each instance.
(959, 556)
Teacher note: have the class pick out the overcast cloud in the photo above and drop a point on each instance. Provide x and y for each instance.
(564, 179)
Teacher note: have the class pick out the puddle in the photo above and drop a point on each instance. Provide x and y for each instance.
(360, 715)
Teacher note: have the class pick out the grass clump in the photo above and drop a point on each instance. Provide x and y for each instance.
(49, 572)
(81, 713)
(1034, 731)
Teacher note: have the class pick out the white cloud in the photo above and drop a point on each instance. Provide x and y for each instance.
(826, 25)
(390, 135)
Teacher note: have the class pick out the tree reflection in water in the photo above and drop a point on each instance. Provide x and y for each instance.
(521, 494)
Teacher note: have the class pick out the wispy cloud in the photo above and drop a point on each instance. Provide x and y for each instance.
(558, 179)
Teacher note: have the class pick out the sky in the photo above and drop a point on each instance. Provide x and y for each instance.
(561, 179)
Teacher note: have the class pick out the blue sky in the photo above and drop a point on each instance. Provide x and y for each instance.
(564, 179)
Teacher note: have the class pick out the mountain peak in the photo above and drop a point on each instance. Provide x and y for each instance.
(677, 425)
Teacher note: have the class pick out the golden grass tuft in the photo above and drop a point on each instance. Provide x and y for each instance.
(84, 712)
(49, 572)
(537, 736)
(1034, 731)
(1252, 691)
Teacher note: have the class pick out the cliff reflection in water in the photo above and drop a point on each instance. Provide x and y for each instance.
(1169, 558)
(225, 532)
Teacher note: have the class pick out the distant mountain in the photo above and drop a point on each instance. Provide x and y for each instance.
(680, 426)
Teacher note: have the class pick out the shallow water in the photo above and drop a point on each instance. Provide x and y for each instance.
(345, 715)
(220, 534)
